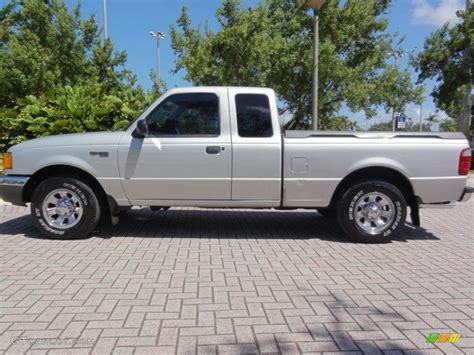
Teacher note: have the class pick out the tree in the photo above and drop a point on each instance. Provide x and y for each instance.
(415, 127)
(432, 119)
(341, 123)
(410, 127)
(381, 127)
(447, 58)
(42, 45)
(271, 45)
(57, 76)
(448, 125)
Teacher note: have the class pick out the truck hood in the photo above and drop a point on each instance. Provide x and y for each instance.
(75, 139)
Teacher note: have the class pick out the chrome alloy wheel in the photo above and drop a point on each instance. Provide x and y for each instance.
(374, 212)
(62, 208)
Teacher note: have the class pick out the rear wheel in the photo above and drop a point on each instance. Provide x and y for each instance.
(65, 208)
(371, 212)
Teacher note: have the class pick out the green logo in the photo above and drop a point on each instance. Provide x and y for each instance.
(443, 338)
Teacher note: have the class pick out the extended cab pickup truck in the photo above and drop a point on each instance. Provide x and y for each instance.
(222, 147)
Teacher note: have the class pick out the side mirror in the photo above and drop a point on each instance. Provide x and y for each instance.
(141, 130)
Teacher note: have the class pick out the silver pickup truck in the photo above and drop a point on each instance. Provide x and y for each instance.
(222, 147)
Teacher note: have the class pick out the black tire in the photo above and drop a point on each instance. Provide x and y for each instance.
(330, 213)
(346, 212)
(86, 198)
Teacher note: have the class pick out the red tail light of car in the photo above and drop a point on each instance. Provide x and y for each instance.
(464, 161)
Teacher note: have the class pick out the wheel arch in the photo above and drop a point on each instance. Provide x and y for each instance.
(384, 173)
(67, 170)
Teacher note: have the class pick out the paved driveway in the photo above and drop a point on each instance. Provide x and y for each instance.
(207, 281)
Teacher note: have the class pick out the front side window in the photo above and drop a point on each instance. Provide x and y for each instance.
(254, 118)
(186, 115)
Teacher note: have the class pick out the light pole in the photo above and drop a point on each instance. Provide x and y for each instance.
(464, 121)
(104, 9)
(158, 36)
(316, 6)
(421, 117)
(396, 55)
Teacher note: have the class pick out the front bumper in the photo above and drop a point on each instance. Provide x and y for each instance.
(11, 188)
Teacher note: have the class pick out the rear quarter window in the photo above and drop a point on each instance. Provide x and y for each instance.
(254, 117)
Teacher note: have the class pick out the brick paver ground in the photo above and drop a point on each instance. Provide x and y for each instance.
(205, 281)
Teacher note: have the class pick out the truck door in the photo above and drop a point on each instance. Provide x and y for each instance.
(256, 146)
(187, 153)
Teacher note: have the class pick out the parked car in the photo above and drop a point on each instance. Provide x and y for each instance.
(222, 147)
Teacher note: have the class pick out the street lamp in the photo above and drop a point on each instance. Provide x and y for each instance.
(316, 6)
(104, 9)
(396, 55)
(421, 116)
(159, 36)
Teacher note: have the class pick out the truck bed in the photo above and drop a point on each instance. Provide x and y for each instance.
(316, 162)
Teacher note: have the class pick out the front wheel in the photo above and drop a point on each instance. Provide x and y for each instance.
(65, 208)
(372, 211)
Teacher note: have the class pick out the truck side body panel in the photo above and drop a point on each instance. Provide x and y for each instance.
(178, 168)
(314, 166)
(94, 152)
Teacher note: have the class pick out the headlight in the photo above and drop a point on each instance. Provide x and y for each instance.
(7, 161)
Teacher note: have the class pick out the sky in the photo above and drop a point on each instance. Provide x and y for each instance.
(130, 21)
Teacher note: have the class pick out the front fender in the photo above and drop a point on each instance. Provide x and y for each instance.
(103, 167)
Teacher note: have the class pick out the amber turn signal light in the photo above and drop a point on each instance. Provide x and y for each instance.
(7, 161)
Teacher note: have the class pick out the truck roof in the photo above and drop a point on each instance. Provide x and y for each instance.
(200, 88)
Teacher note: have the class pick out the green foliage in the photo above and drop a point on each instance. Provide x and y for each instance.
(410, 127)
(340, 123)
(271, 45)
(57, 76)
(76, 109)
(381, 127)
(448, 125)
(447, 58)
(415, 127)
